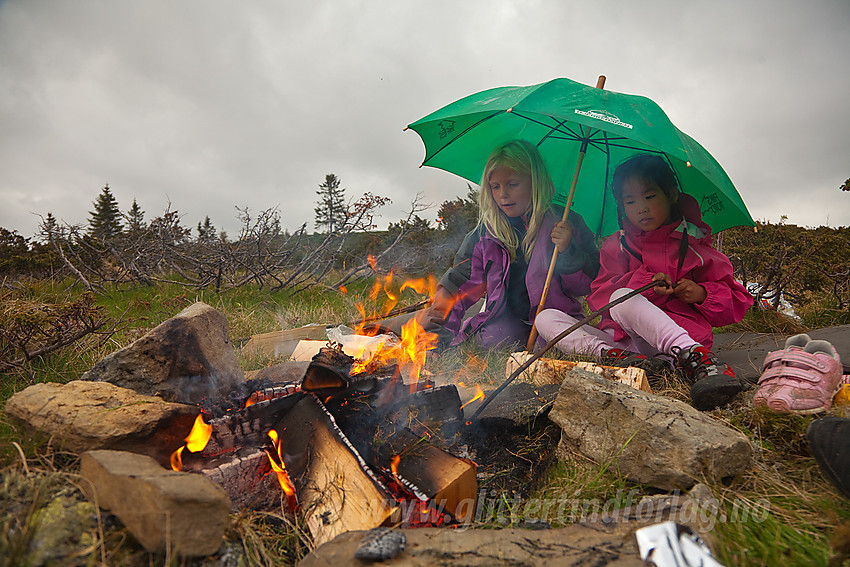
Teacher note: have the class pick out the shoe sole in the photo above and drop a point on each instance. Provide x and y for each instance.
(714, 396)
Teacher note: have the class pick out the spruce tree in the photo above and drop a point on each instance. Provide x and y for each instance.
(135, 219)
(206, 231)
(105, 221)
(331, 211)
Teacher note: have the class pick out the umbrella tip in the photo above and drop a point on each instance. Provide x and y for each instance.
(687, 163)
(510, 109)
(405, 128)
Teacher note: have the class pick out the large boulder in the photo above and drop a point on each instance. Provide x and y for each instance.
(81, 416)
(647, 438)
(187, 359)
(424, 547)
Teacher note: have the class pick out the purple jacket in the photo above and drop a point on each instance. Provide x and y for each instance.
(482, 263)
(726, 302)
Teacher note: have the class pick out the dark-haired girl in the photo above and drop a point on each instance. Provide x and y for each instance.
(664, 240)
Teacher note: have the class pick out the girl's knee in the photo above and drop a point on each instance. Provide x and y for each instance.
(620, 293)
(554, 316)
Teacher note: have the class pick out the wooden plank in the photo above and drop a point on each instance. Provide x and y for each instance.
(549, 371)
(336, 490)
(282, 343)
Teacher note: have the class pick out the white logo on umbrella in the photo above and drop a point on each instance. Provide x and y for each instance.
(604, 116)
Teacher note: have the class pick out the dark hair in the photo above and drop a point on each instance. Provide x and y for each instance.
(648, 168)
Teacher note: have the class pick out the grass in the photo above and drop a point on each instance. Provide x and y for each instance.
(783, 511)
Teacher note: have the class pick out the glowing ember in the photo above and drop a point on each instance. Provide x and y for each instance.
(479, 395)
(197, 439)
(280, 470)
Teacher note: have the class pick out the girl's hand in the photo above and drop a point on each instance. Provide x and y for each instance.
(562, 234)
(689, 291)
(664, 285)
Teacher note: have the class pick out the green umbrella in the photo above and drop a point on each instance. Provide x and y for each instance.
(559, 117)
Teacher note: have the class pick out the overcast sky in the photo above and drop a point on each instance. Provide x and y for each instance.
(210, 104)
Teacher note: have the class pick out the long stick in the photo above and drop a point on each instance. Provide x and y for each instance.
(532, 338)
(554, 341)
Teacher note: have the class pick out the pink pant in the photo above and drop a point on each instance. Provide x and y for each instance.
(650, 330)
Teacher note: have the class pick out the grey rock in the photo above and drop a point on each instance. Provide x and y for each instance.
(570, 546)
(185, 359)
(647, 438)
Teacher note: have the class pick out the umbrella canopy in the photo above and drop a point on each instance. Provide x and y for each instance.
(558, 116)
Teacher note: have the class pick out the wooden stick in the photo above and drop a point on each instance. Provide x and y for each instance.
(532, 338)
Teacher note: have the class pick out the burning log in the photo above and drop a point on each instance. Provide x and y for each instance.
(449, 482)
(383, 435)
(248, 427)
(336, 491)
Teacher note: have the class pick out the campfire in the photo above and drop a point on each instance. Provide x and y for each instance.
(356, 444)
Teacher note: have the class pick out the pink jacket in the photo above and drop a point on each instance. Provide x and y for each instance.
(631, 257)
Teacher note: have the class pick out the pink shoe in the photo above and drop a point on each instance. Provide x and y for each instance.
(801, 379)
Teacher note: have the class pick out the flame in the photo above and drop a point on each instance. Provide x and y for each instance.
(422, 285)
(373, 263)
(479, 395)
(392, 297)
(394, 466)
(343, 289)
(280, 470)
(197, 439)
(411, 351)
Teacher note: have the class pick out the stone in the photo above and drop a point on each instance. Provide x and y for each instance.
(186, 359)
(573, 545)
(63, 528)
(82, 416)
(163, 509)
(647, 438)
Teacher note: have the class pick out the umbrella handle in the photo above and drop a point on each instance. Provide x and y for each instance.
(532, 337)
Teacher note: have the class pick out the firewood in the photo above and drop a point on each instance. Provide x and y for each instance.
(448, 481)
(550, 371)
(382, 433)
(336, 491)
(282, 343)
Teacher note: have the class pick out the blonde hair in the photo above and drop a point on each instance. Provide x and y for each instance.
(525, 159)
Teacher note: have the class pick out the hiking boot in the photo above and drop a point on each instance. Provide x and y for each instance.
(622, 358)
(829, 442)
(803, 378)
(713, 383)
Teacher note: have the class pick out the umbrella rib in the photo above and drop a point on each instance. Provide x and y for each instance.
(569, 134)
